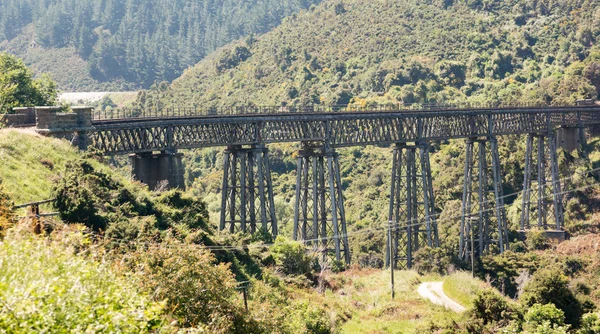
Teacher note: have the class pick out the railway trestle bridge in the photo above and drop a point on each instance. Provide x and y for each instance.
(153, 139)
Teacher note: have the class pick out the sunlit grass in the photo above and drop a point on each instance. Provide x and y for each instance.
(462, 287)
(363, 299)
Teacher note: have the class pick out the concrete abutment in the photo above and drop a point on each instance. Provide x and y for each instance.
(158, 170)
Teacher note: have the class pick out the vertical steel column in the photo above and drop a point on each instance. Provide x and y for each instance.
(548, 210)
(246, 173)
(499, 197)
(482, 193)
(465, 228)
(320, 201)
(412, 205)
(559, 218)
(526, 200)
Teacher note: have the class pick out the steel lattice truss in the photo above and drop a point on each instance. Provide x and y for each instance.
(545, 192)
(412, 206)
(483, 220)
(319, 218)
(337, 129)
(247, 193)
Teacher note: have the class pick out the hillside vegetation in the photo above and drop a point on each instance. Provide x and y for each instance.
(390, 52)
(113, 44)
(151, 246)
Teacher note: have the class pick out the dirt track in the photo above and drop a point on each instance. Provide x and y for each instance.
(435, 293)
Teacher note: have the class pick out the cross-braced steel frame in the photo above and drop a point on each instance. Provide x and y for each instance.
(483, 219)
(319, 218)
(412, 217)
(545, 192)
(247, 194)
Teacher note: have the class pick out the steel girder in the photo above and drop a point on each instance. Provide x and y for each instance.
(412, 217)
(338, 129)
(247, 193)
(483, 226)
(545, 192)
(319, 217)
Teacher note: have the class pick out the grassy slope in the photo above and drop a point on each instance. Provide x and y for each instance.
(32, 163)
(360, 297)
(364, 297)
(461, 287)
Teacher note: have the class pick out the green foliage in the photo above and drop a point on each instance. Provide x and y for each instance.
(198, 291)
(549, 285)
(590, 324)
(48, 289)
(6, 210)
(431, 260)
(328, 56)
(19, 89)
(90, 196)
(138, 42)
(292, 256)
(491, 307)
(537, 240)
(544, 319)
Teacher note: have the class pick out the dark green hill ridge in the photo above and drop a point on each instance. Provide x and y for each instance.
(407, 51)
(132, 43)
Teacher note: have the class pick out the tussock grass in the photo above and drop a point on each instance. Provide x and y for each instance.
(46, 288)
(29, 163)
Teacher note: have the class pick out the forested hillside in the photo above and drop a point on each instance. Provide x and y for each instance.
(134, 42)
(357, 51)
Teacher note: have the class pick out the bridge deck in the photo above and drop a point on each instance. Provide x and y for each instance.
(338, 129)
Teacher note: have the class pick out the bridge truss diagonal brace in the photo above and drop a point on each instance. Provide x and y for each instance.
(541, 184)
(319, 217)
(483, 226)
(412, 216)
(247, 203)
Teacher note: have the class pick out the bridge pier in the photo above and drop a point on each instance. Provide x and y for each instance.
(247, 195)
(483, 219)
(548, 209)
(153, 169)
(319, 218)
(569, 138)
(412, 216)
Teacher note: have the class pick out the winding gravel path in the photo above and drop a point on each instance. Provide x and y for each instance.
(434, 291)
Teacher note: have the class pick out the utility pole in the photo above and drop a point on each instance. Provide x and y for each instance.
(472, 251)
(392, 256)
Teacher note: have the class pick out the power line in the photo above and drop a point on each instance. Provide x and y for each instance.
(413, 222)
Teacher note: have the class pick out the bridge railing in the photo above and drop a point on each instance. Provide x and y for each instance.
(183, 112)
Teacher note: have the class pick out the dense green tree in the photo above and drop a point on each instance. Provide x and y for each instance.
(142, 41)
(18, 88)
(549, 285)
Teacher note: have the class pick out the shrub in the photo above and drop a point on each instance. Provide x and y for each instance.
(48, 289)
(491, 308)
(537, 240)
(549, 285)
(431, 260)
(198, 291)
(548, 314)
(291, 256)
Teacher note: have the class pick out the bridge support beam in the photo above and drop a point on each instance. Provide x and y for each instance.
(247, 195)
(483, 226)
(164, 169)
(412, 217)
(547, 211)
(319, 218)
